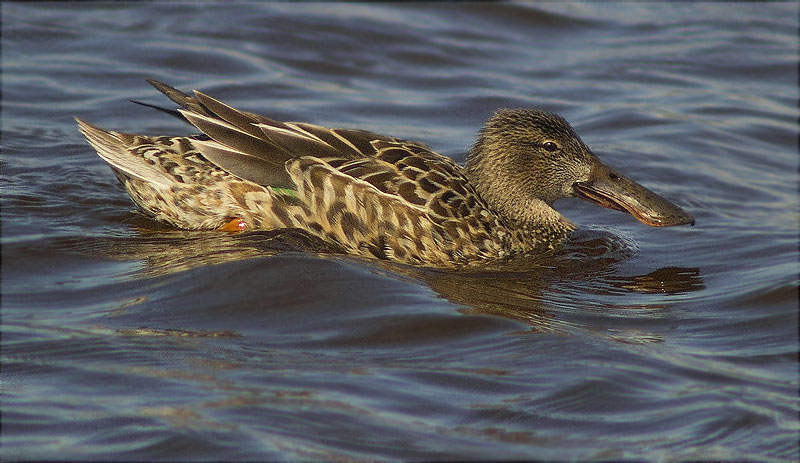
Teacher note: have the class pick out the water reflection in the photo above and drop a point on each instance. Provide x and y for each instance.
(538, 290)
(667, 280)
(544, 291)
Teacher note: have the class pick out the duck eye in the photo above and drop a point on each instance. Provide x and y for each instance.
(550, 146)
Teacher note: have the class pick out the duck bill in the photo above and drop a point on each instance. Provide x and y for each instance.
(605, 187)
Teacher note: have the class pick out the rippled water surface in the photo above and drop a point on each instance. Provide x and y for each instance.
(125, 339)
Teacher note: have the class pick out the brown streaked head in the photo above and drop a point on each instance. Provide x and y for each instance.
(526, 159)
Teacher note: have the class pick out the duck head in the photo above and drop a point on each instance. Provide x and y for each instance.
(525, 159)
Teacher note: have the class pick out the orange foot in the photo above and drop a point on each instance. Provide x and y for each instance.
(235, 225)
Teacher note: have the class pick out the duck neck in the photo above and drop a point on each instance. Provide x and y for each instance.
(531, 219)
(544, 227)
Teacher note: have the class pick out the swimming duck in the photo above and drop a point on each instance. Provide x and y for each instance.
(372, 195)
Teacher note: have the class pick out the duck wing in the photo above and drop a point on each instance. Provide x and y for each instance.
(255, 147)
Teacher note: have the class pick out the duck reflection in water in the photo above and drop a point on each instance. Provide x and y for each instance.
(538, 290)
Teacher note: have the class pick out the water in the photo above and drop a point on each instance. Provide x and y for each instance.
(125, 339)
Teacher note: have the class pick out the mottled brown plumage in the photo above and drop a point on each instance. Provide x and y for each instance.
(369, 194)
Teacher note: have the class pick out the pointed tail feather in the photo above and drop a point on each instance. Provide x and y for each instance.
(113, 147)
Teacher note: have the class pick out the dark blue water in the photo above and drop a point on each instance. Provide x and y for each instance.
(125, 339)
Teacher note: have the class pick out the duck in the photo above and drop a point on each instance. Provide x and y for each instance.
(367, 194)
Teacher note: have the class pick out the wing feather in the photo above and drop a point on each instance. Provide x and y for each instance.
(243, 121)
(185, 101)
